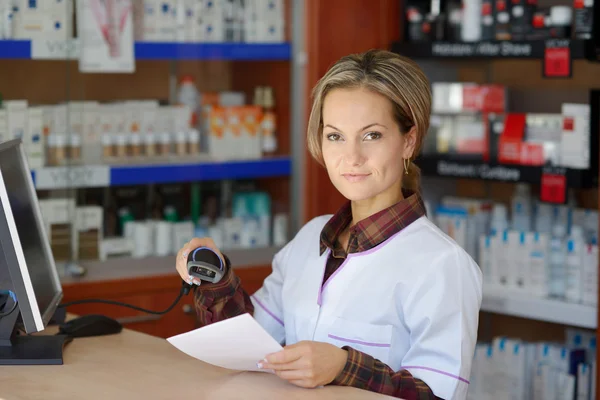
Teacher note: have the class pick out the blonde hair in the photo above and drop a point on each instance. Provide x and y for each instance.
(398, 78)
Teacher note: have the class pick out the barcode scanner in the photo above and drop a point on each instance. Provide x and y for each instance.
(204, 263)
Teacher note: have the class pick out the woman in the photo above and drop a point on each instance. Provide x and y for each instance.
(375, 296)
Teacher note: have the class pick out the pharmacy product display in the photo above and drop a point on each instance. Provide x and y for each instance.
(472, 122)
(514, 369)
(497, 20)
(142, 222)
(541, 249)
(209, 21)
(220, 125)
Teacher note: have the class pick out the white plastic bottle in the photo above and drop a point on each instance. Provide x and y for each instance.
(188, 95)
(556, 262)
(574, 265)
(521, 209)
(537, 283)
(499, 220)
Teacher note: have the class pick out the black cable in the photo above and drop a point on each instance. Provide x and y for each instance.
(14, 306)
(185, 289)
(14, 298)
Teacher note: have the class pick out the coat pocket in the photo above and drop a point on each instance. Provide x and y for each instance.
(372, 339)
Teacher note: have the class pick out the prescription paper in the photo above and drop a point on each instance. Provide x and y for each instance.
(237, 343)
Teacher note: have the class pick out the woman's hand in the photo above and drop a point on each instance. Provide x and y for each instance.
(307, 364)
(182, 256)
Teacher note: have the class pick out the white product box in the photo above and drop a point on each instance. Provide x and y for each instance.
(44, 20)
(166, 21)
(116, 247)
(4, 126)
(16, 112)
(575, 139)
(34, 142)
(211, 21)
(183, 232)
(106, 39)
(146, 20)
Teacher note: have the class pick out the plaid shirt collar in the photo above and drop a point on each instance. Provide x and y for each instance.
(373, 230)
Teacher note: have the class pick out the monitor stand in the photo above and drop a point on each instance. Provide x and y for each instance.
(16, 349)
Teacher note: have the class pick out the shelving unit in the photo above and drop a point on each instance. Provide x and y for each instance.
(473, 167)
(134, 268)
(500, 300)
(74, 177)
(49, 50)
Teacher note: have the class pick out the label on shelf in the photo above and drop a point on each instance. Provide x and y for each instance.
(557, 59)
(72, 177)
(46, 49)
(484, 49)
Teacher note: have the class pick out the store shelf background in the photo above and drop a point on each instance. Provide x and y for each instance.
(23, 49)
(104, 175)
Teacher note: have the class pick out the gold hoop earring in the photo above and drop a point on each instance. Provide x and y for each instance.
(406, 165)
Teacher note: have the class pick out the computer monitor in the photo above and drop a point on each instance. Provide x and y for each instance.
(27, 269)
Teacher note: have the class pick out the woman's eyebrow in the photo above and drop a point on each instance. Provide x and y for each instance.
(360, 130)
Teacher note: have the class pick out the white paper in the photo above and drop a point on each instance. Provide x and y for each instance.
(237, 343)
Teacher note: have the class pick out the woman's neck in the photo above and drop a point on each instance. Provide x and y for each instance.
(365, 208)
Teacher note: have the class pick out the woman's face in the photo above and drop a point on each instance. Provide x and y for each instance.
(363, 148)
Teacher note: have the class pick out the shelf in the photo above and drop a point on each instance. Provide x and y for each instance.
(472, 167)
(580, 49)
(104, 175)
(503, 301)
(60, 50)
(135, 268)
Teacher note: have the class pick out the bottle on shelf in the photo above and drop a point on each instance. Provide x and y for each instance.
(521, 209)
(556, 262)
(498, 223)
(574, 265)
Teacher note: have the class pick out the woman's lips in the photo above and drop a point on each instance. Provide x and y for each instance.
(355, 177)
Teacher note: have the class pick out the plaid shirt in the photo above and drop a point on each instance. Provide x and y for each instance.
(227, 298)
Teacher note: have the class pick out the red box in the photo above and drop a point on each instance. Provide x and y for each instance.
(511, 140)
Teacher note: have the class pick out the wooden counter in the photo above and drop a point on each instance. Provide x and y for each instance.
(133, 365)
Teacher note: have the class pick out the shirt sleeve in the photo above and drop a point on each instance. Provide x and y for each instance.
(442, 311)
(222, 300)
(365, 372)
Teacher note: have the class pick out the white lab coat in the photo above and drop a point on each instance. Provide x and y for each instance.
(412, 302)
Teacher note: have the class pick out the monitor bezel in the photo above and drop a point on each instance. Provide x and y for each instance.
(34, 319)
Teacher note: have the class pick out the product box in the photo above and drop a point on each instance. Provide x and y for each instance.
(4, 137)
(58, 219)
(43, 19)
(583, 19)
(575, 139)
(251, 117)
(35, 145)
(211, 22)
(88, 231)
(521, 18)
(16, 113)
(512, 146)
(166, 21)
(217, 139)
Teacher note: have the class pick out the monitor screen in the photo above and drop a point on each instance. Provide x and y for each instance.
(43, 285)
